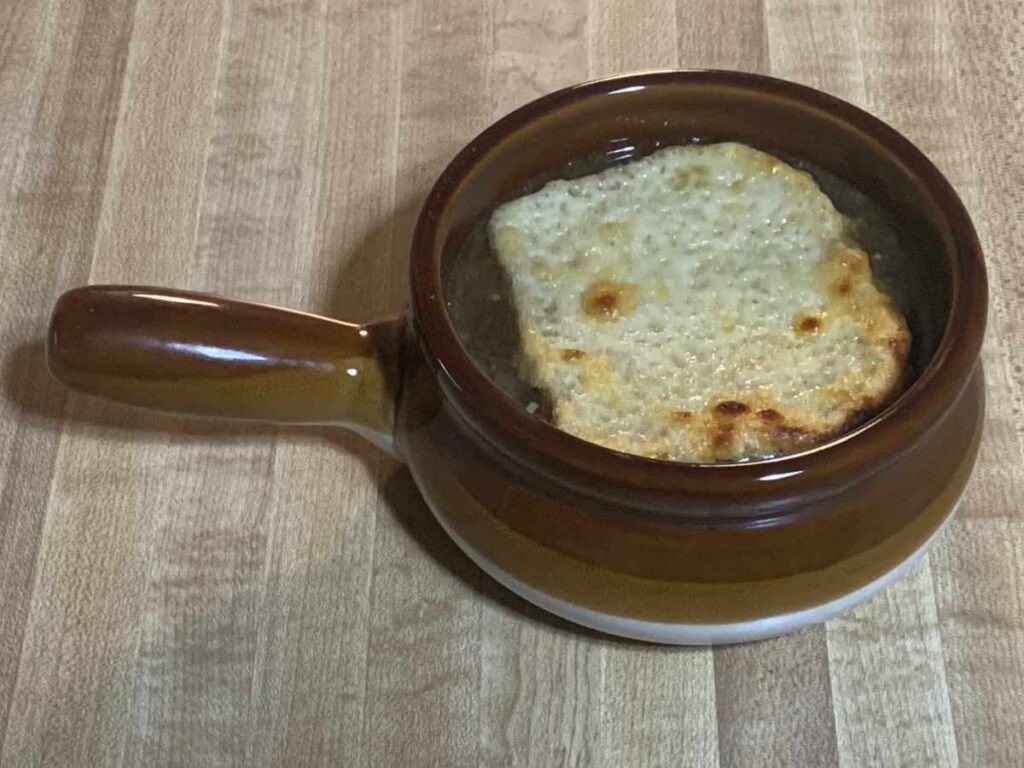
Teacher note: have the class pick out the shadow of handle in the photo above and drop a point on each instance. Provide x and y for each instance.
(201, 355)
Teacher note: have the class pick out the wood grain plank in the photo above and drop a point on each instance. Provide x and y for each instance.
(423, 674)
(889, 680)
(263, 169)
(905, 52)
(775, 703)
(30, 35)
(74, 692)
(989, 94)
(536, 47)
(978, 575)
(978, 569)
(658, 706)
(309, 678)
(722, 35)
(816, 44)
(540, 692)
(153, 190)
(309, 692)
(260, 165)
(625, 37)
(61, 72)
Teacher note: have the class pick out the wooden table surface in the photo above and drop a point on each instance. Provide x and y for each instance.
(182, 593)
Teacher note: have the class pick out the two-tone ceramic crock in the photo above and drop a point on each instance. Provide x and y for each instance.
(662, 551)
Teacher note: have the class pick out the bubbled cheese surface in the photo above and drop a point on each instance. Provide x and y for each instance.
(704, 303)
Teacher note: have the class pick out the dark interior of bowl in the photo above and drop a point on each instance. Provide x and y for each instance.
(567, 136)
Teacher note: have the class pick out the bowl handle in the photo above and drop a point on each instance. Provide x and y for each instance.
(201, 355)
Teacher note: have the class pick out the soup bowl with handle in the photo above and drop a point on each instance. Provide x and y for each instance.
(655, 550)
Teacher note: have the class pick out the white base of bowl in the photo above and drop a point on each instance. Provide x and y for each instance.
(691, 634)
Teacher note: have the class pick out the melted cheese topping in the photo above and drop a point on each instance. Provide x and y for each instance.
(702, 303)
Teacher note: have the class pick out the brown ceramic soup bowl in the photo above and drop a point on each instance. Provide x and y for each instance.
(663, 551)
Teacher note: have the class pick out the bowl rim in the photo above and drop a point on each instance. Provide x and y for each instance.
(564, 456)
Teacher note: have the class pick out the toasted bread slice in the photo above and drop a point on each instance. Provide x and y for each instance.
(704, 303)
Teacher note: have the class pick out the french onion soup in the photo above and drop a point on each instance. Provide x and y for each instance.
(703, 303)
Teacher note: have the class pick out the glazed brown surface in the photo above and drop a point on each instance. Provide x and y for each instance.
(948, 305)
(679, 570)
(198, 354)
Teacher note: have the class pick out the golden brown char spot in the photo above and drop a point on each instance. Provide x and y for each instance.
(806, 323)
(881, 321)
(682, 416)
(731, 408)
(844, 269)
(900, 346)
(854, 261)
(769, 414)
(607, 299)
(572, 354)
(722, 438)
